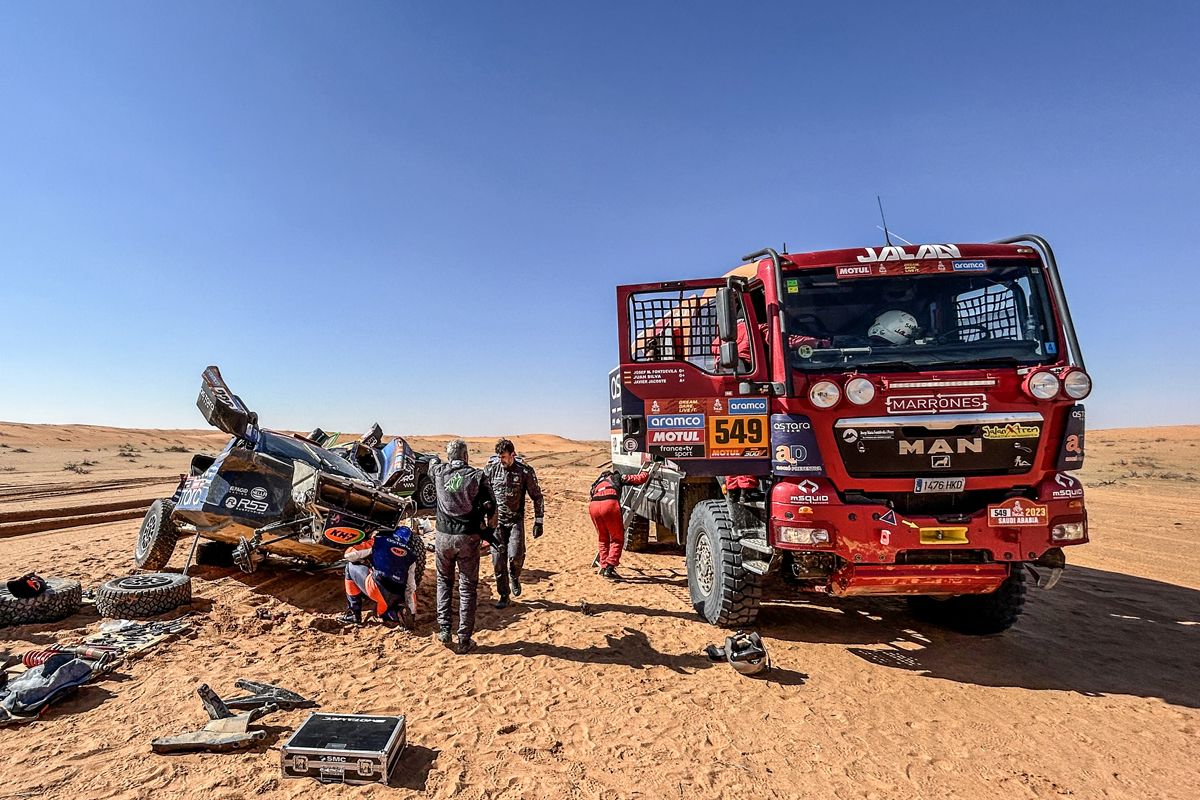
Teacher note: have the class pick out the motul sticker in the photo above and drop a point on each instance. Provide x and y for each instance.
(936, 403)
(677, 437)
(1016, 513)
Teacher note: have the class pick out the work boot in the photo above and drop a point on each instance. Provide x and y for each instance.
(465, 644)
(444, 634)
(610, 572)
(516, 586)
(349, 618)
(502, 602)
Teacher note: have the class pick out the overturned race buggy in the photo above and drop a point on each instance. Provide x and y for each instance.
(277, 493)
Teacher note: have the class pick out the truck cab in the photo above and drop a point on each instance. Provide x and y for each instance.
(898, 420)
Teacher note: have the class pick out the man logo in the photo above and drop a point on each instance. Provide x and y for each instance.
(940, 462)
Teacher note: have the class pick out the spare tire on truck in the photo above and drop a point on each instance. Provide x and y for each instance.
(61, 599)
(157, 536)
(145, 595)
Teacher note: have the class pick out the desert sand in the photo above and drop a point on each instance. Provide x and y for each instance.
(586, 688)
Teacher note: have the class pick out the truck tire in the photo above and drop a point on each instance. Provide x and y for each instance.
(144, 595)
(61, 599)
(722, 590)
(977, 614)
(637, 535)
(157, 536)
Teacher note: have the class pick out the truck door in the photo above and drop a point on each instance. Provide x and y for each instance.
(675, 399)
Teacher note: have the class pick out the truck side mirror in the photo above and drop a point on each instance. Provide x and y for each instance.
(726, 316)
(729, 356)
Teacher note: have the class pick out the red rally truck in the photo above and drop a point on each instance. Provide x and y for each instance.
(899, 420)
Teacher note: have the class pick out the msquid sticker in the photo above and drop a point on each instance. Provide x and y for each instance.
(1016, 512)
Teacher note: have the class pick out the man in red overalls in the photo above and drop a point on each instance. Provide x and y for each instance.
(605, 509)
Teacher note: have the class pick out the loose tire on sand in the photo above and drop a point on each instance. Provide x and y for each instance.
(61, 599)
(144, 595)
(157, 536)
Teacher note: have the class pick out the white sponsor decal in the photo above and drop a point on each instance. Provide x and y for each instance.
(897, 253)
(959, 446)
(258, 493)
(1071, 489)
(809, 494)
(936, 403)
(677, 437)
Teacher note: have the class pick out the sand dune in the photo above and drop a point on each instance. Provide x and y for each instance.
(1093, 694)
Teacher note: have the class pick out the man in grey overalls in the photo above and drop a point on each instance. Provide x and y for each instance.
(511, 479)
(465, 511)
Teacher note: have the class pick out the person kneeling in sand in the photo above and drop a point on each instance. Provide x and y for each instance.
(383, 569)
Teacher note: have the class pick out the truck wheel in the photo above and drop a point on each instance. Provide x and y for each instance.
(637, 535)
(723, 592)
(426, 494)
(977, 614)
(61, 599)
(144, 595)
(157, 536)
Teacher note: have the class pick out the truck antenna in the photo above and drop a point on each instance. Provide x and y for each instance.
(886, 236)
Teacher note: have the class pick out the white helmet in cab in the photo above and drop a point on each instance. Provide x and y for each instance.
(895, 326)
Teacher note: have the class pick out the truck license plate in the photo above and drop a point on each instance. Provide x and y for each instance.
(938, 485)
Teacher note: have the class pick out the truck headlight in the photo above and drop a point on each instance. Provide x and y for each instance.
(1077, 384)
(1068, 532)
(790, 535)
(824, 394)
(860, 391)
(1042, 385)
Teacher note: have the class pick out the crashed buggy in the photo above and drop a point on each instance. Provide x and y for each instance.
(278, 493)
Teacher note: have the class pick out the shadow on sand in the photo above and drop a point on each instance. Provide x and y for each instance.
(1096, 633)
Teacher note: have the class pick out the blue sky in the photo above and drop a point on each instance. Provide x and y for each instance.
(417, 212)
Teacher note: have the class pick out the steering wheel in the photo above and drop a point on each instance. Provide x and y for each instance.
(944, 336)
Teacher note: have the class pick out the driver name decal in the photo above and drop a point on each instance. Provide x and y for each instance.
(898, 253)
(936, 403)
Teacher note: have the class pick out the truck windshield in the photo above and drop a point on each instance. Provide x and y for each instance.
(993, 312)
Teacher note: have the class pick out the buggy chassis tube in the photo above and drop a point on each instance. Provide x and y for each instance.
(783, 332)
(1060, 297)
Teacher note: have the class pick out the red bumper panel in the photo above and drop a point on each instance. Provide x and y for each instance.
(918, 579)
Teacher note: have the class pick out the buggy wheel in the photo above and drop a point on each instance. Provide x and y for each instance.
(144, 595)
(426, 494)
(61, 599)
(417, 545)
(977, 614)
(157, 536)
(722, 590)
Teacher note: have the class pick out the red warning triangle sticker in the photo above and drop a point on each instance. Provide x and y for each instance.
(889, 517)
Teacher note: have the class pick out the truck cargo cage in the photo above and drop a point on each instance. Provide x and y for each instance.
(679, 325)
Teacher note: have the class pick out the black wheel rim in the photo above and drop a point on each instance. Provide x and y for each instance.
(145, 581)
(428, 495)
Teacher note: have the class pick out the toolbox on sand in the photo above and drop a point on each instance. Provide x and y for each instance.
(344, 748)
